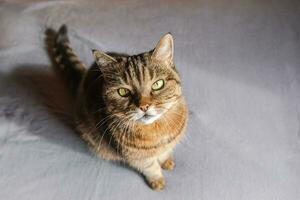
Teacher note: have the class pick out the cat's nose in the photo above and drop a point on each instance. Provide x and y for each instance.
(144, 107)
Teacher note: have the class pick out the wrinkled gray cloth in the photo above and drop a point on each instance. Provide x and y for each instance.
(240, 65)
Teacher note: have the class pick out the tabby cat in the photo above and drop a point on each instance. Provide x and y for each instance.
(128, 108)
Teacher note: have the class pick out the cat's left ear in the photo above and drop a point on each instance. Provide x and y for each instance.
(164, 50)
(102, 58)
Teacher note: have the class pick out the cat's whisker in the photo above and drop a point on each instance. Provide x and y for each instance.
(174, 122)
(173, 111)
(121, 123)
(106, 131)
(103, 121)
(124, 135)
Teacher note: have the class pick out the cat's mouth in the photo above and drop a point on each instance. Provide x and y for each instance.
(147, 116)
(148, 119)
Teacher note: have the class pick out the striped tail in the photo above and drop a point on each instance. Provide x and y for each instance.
(64, 59)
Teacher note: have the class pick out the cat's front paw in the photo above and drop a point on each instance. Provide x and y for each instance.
(157, 184)
(168, 164)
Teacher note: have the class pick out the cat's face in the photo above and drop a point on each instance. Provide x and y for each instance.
(143, 87)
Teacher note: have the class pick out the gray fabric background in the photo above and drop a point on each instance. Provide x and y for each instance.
(240, 65)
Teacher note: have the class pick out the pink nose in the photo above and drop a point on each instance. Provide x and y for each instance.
(144, 107)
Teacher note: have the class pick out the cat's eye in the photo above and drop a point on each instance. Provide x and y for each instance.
(123, 92)
(158, 85)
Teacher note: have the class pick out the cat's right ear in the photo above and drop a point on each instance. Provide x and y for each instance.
(164, 50)
(102, 58)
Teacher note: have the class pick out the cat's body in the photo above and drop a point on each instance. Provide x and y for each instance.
(128, 108)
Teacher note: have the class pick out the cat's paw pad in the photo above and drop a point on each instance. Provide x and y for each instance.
(157, 184)
(169, 164)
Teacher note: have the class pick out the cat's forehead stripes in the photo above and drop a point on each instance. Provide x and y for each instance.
(136, 71)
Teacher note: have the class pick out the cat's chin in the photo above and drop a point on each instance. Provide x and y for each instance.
(148, 119)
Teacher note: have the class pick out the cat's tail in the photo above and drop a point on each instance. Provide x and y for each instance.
(64, 59)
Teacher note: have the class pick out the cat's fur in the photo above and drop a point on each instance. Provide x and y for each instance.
(109, 122)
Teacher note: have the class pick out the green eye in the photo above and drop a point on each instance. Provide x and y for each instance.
(158, 85)
(123, 92)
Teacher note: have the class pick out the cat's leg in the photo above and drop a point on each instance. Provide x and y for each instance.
(166, 160)
(151, 169)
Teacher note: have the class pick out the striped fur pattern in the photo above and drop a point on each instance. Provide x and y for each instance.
(129, 108)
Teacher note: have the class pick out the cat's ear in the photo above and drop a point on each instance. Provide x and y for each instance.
(164, 49)
(102, 58)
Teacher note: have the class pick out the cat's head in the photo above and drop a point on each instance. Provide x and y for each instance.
(142, 87)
